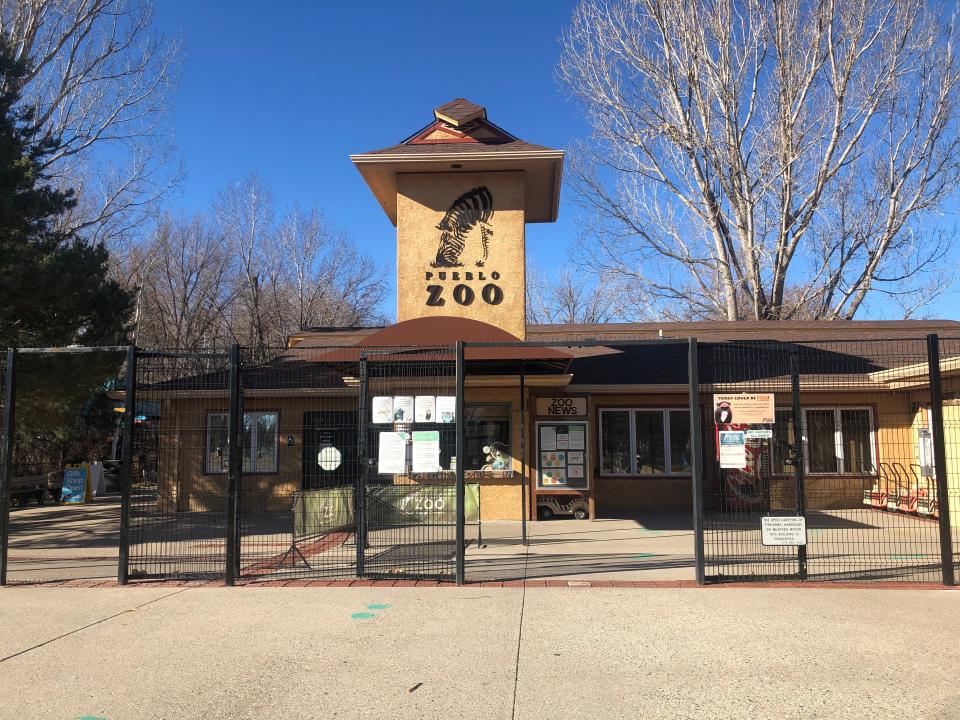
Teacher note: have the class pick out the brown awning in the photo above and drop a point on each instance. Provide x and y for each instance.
(444, 332)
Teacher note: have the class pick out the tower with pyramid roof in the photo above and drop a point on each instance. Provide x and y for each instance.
(460, 191)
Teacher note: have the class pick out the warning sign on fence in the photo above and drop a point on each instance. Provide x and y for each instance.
(783, 530)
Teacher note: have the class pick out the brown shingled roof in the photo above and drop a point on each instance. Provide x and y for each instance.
(459, 148)
(784, 330)
(459, 112)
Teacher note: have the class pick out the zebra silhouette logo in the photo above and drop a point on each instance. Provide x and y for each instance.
(472, 210)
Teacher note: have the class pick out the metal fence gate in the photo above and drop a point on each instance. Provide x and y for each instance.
(177, 519)
(856, 449)
(262, 465)
(408, 511)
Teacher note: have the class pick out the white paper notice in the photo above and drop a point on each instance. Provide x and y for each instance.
(383, 409)
(575, 458)
(575, 471)
(446, 408)
(392, 457)
(733, 449)
(577, 435)
(563, 441)
(403, 409)
(548, 438)
(426, 451)
(425, 409)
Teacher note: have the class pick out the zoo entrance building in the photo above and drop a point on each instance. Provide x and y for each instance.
(722, 423)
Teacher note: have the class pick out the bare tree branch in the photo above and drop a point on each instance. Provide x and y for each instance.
(765, 160)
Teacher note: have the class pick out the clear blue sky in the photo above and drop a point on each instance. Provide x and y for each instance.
(289, 90)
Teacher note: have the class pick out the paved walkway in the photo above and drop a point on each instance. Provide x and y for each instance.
(257, 652)
(654, 547)
(60, 542)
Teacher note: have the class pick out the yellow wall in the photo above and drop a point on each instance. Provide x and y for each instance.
(184, 485)
(423, 202)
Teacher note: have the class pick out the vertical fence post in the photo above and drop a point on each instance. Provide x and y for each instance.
(360, 486)
(6, 460)
(940, 457)
(126, 465)
(798, 453)
(523, 452)
(460, 417)
(696, 459)
(234, 463)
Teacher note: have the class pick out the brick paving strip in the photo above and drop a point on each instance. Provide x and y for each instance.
(346, 582)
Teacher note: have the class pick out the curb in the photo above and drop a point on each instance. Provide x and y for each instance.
(347, 582)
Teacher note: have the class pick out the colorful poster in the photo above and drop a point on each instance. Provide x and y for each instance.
(425, 409)
(733, 449)
(403, 409)
(392, 454)
(446, 408)
(744, 409)
(426, 451)
(553, 459)
(553, 477)
(383, 409)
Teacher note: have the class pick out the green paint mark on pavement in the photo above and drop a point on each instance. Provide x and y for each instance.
(362, 615)
(641, 556)
(90, 717)
(377, 606)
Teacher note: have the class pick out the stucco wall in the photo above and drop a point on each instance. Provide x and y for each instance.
(423, 203)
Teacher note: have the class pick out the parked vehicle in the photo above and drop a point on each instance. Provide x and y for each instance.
(554, 505)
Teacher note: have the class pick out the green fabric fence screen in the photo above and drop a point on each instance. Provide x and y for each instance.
(316, 512)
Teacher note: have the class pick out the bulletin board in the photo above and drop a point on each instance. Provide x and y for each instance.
(562, 456)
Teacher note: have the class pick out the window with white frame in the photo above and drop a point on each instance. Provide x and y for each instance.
(644, 441)
(259, 442)
(839, 440)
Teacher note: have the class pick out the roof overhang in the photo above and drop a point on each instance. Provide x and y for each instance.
(543, 170)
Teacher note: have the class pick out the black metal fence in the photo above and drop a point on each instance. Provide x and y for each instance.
(268, 465)
(327, 462)
(845, 482)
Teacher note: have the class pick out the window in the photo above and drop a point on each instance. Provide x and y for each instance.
(645, 442)
(783, 440)
(488, 426)
(259, 442)
(822, 454)
(838, 440)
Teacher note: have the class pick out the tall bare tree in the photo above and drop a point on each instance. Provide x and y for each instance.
(244, 216)
(766, 160)
(571, 298)
(327, 282)
(182, 276)
(236, 275)
(101, 86)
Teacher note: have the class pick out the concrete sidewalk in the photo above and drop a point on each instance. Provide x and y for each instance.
(473, 652)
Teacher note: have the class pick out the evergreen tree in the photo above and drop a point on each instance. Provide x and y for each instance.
(54, 287)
